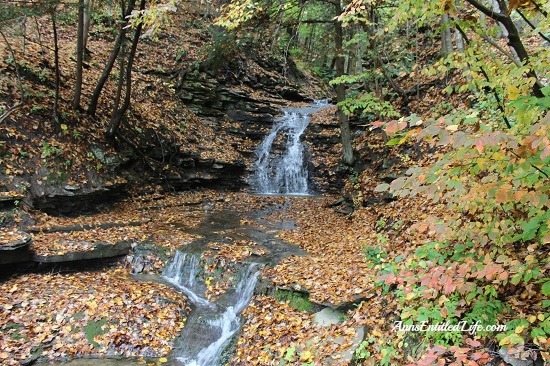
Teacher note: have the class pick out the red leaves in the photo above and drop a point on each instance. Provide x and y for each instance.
(479, 145)
(428, 359)
(395, 126)
(440, 355)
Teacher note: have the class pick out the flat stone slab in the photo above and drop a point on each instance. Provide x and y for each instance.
(328, 316)
(20, 239)
(14, 246)
(11, 198)
(99, 250)
(84, 227)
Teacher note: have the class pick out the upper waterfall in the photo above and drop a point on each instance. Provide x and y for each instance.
(285, 172)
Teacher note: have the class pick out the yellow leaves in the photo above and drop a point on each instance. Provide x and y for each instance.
(521, 4)
(306, 356)
(53, 307)
(163, 360)
(511, 339)
(376, 333)
(531, 319)
(513, 92)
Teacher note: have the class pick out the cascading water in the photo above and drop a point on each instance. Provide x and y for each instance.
(285, 173)
(210, 326)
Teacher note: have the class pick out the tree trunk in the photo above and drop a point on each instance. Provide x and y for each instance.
(514, 39)
(347, 148)
(55, 115)
(92, 107)
(88, 8)
(446, 36)
(119, 114)
(79, 56)
(120, 84)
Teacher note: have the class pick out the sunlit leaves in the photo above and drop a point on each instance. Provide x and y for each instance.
(154, 17)
(368, 103)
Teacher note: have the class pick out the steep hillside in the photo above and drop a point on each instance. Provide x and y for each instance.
(181, 101)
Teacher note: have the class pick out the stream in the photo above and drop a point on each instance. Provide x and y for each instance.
(211, 325)
(280, 169)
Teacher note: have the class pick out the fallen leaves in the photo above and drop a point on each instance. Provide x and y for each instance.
(60, 243)
(10, 236)
(89, 313)
(289, 334)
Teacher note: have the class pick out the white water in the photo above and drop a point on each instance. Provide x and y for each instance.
(223, 319)
(285, 173)
(182, 273)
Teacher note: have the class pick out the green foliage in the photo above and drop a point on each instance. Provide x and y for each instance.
(367, 104)
(325, 73)
(362, 352)
(375, 255)
(290, 354)
(49, 150)
(386, 351)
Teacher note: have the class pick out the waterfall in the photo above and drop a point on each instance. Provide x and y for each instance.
(210, 326)
(286, 172)
(182, 272)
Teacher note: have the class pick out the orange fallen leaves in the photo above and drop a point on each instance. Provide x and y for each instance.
(57, 314)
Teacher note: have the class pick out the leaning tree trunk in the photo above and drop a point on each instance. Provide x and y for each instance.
(79, 56)
(347, 148)
(514, 39)
(92, 107)
(118, 114)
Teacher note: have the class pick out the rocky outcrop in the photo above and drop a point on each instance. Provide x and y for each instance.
(16, 251)
(208, 98)
(70, 200)
(321, 139)
(215, 93)
(99, 250)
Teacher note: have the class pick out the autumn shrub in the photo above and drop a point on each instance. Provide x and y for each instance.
(495, 181)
